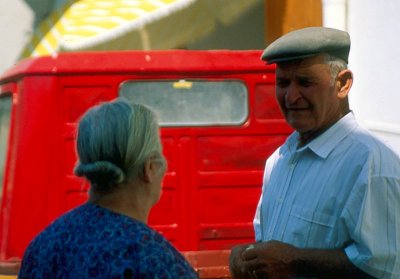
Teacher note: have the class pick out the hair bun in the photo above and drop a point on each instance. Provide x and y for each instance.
(104, 174)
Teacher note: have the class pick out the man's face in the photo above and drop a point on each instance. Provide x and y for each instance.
(306, 95)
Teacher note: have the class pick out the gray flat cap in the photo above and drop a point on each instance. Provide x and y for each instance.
(307, 42)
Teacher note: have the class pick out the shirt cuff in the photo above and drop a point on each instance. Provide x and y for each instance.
(360, 260)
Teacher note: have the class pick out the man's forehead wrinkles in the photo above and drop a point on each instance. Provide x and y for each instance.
(295, 75)
(313, 71)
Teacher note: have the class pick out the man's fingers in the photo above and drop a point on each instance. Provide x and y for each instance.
(236, 263)
(251, 252)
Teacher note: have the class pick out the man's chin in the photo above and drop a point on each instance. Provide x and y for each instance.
(298, 126)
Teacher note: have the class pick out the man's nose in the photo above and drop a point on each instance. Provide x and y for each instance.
(292, 94)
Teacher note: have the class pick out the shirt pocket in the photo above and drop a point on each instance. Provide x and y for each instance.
(309, 228)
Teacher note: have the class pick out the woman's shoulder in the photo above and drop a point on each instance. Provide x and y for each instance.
(90, 234)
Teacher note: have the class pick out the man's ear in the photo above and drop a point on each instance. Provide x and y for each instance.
(344, 82)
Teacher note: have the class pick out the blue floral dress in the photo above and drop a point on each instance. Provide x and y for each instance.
(94, 242)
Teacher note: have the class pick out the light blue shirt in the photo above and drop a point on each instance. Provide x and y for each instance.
(340, 191)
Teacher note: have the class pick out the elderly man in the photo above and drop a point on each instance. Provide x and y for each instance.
(330, 201)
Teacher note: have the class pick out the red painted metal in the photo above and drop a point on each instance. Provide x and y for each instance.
(210, 264)
(215, 173)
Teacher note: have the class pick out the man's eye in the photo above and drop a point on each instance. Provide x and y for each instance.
(305, 83)
(282, 83)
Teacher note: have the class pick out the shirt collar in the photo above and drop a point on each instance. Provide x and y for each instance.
(327, 141)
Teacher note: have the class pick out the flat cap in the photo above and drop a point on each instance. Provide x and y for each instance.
(307, 42)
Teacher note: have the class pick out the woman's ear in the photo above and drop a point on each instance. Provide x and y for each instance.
(153, 167)
(148, 170)
(344, 81)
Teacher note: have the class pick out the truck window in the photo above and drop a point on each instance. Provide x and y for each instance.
(5, 113)
(191, 102)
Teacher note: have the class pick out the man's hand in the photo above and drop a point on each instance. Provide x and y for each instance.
(272, 259)
(237, 266)
(278, 260)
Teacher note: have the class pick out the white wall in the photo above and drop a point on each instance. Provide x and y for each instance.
(15, 28)
(374, 27)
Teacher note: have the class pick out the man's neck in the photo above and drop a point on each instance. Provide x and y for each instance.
(307, 137)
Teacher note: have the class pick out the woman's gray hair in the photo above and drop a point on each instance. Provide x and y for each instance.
(336, 65)
(114, 140)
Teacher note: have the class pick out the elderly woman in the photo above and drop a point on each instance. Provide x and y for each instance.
(120, 155)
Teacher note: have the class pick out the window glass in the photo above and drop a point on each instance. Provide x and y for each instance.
(191, 103)
(5, 113)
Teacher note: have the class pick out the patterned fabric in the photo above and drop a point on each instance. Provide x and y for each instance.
(94, 242)
(341, 191)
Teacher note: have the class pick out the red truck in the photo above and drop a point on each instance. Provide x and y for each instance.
(219, 122)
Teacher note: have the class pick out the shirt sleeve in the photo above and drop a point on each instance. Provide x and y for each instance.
(375, 226)
(256, 222)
